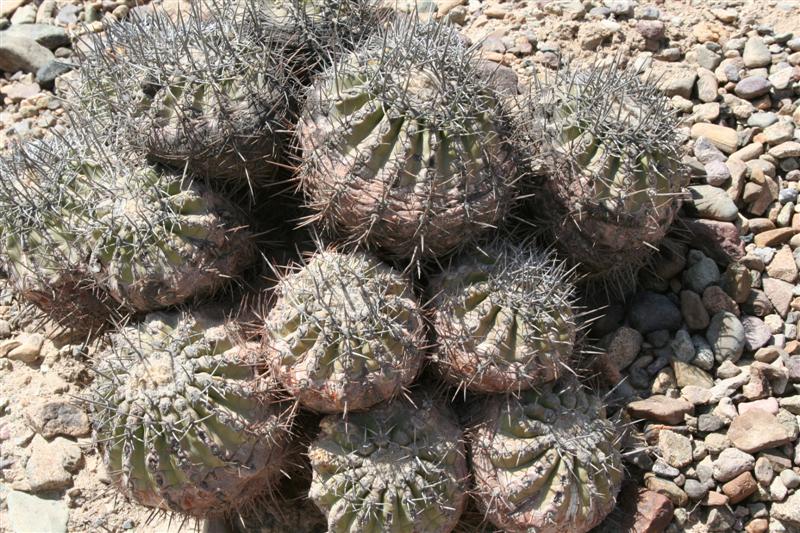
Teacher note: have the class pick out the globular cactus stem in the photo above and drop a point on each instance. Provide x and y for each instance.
(405, 146)
(87, 216)
(607, 142)
(183, 421)
(400, 467)
(210, 91)
(345, 333)
(546, 460)
(504, 317)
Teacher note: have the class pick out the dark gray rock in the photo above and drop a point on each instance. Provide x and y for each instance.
(650, 311)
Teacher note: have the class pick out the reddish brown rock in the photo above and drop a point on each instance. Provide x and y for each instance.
(779, 293)
(652, 512)
(774, 236)
(715, 499)
(660, 408)
(740, 487)
(718, 240)
(716, 300)
(783, 266)
(757, 430)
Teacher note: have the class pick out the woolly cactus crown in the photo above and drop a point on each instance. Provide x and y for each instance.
(400, 467)
(182, 420)
(404, 144)
(504, 317)
(546, 460)
(345, 333)
(212, 90)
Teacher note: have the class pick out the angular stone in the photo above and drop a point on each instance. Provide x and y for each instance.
(32, 514)
(659, 408)
(666, 488)
(674, 448)
(50, 463)
(783, 266)
(715, 499)
(718, 240)
(731, 463)
(28, 348)
(54, 418)
(756, 333)
(788, 511)
(689, 375)
(779, 294)
(769, 405)
(644, 511)
(774, 237)
(757, 430)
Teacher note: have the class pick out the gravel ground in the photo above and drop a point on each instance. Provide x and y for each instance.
(707, 351)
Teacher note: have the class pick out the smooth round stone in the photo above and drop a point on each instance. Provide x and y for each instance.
(752, 87)
(788, 195)
(762, 120)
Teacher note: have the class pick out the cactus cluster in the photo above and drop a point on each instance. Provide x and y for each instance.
(546, 461)
(405, 147)
(405, 160)
(505, 319)
(606, 139)
(401, 468)
(345, 332)
(182, 419)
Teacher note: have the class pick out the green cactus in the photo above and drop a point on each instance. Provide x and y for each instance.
(546, 460)
(345, 333)
(399, 468)
(183, 421)
(79, 224)
(41, 251)
(162, 240)
(607, 140)
(210, 91)
(404, 145)
(504, 319)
